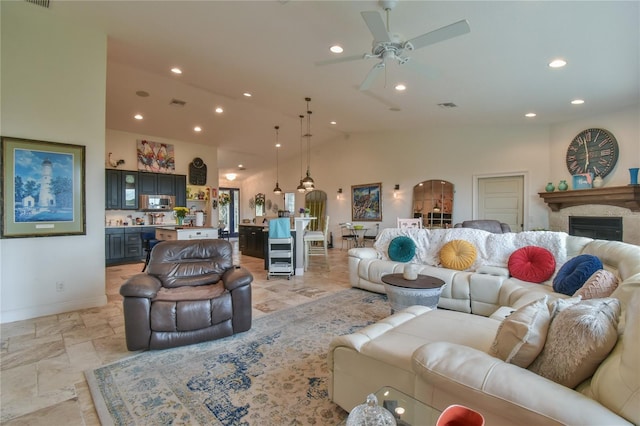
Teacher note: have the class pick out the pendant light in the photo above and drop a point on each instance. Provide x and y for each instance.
(308, 180)
(301, 187)
(277, 189)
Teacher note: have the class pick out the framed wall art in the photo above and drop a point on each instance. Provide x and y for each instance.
(366, 202)
(43, 189)
(155, 157)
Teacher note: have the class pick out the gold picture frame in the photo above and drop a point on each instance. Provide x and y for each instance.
(43, 189)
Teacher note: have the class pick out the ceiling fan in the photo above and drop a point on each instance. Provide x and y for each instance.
(388, 46)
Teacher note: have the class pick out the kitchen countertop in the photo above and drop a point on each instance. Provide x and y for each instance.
(140, 226)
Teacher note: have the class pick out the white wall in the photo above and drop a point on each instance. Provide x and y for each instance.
(454, 154)
(53, 78)
(459, 155)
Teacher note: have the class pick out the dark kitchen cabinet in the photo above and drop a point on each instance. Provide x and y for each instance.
(148, 183)
(121, 190)
(124, 245)
(113, 189)
(164, 184)
(251, 241)
(180, 190)
(114, 245)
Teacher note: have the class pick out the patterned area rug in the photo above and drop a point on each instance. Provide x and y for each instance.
(274, 374)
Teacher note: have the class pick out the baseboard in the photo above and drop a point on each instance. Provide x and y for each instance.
(52, 309)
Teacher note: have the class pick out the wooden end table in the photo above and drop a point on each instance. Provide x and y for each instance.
(402, 293)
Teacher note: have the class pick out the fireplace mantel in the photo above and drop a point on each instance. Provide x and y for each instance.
(621, 196)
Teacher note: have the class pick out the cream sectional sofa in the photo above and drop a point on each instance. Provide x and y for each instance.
(441, 356)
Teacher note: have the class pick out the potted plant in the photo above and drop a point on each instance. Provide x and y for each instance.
(224, 199)
(180, 213)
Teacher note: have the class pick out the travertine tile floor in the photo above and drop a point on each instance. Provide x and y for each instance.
(42, 360)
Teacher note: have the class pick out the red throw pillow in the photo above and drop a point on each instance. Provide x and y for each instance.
(532, 264)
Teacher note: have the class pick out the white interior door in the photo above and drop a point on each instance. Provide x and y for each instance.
(502, 199)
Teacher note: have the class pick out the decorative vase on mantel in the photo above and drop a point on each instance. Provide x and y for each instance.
(562, 186)
(633, 172)
(550, 187)
(598, 182)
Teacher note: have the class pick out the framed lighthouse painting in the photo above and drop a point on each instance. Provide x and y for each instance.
(43, 188)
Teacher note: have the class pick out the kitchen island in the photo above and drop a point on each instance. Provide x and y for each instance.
(185, 233)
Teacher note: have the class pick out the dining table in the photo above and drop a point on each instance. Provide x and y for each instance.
(359, 233)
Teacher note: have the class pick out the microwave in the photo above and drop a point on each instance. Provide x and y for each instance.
(157, 202)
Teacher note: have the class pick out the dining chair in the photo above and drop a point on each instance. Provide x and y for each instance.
(409, 223)
(348, 235)
(311, 246)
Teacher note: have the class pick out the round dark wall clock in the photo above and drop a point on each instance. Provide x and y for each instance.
(592, 151)
(197, 172)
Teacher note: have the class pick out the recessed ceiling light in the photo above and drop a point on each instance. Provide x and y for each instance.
(336, 49)
(197, 129)
(278, 145)
(577, 102)
(557, 63)
(176, 70)
(219, 110)
(138, 117)
(246, 94)
(401, 87)
(530, 114)
(230, 176)
(333, 122)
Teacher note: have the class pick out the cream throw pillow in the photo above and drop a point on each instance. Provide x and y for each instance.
(522, 334)
(580, 337)
(600, 284)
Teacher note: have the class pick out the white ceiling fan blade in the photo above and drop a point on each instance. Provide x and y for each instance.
(376, 25)
(441, 34)
(339, 60)
(371, 76)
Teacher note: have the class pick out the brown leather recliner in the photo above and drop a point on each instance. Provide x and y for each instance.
(190, 293)
(493, 226)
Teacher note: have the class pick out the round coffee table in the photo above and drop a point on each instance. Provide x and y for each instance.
(403, 293)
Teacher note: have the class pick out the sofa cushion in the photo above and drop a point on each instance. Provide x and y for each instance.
(532, 264)
(573, 274)
(600, 284)
(458, 255)
(580, 337)
(521, 336)
(402, 249)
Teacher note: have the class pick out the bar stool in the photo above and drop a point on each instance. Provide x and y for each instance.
(148, 242)
(311, 237)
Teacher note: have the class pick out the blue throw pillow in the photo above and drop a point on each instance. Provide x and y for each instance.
(575, 273)
(402, 249)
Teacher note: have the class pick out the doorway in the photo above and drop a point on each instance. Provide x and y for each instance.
(230, 213)
(501, 198)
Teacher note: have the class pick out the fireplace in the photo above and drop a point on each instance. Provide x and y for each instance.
(601, 228)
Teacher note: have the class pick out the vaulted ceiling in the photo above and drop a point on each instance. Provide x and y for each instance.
(494, 75)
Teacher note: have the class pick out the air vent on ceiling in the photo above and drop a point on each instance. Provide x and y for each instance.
(177, 102)
(447, 105)
(42, 3)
